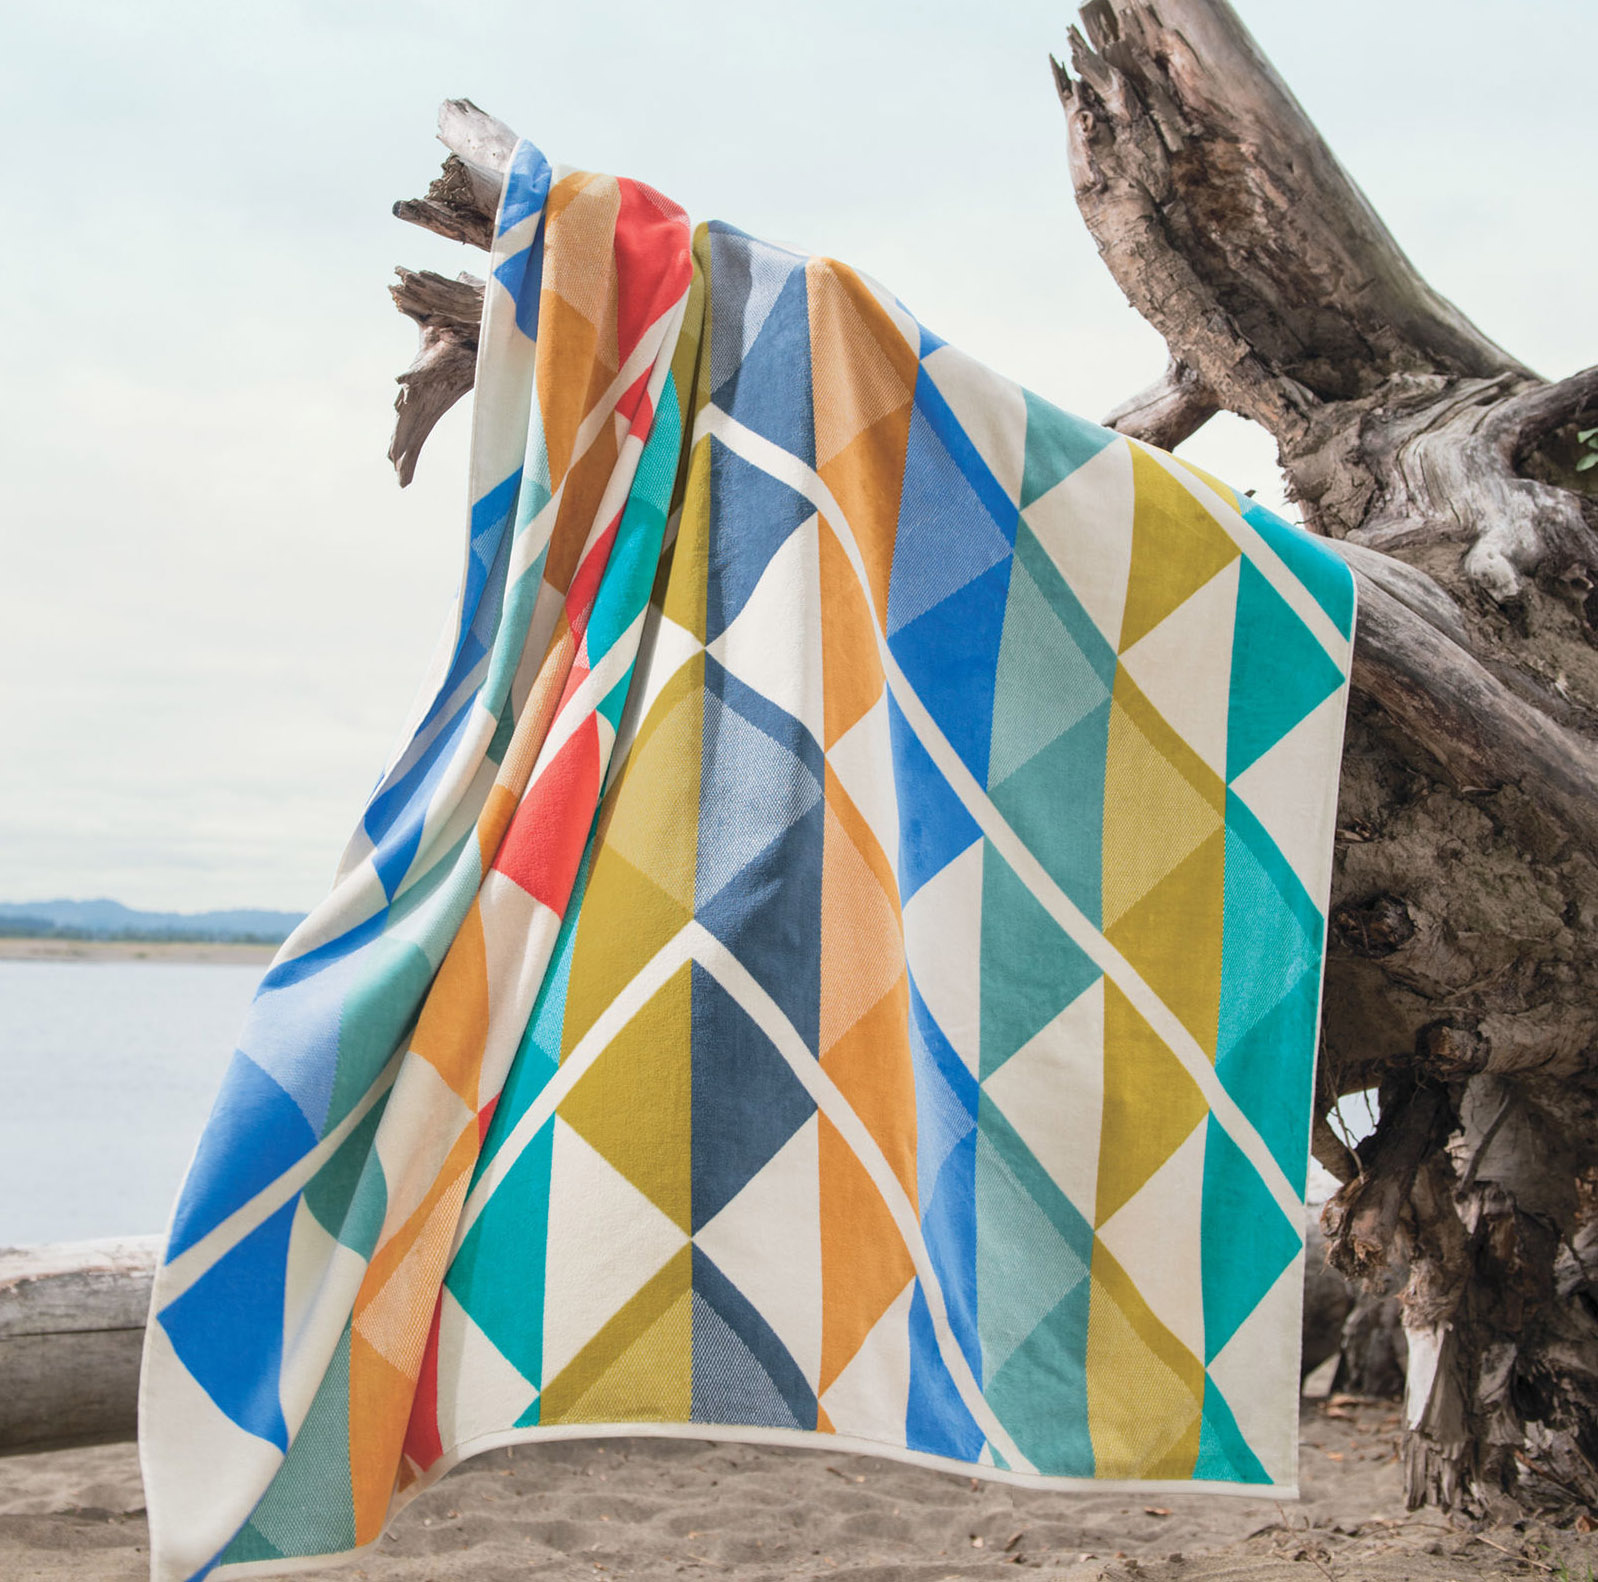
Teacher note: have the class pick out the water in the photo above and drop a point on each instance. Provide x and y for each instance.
(107, 1072)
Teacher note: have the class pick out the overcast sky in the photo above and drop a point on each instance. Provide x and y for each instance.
(214, 601)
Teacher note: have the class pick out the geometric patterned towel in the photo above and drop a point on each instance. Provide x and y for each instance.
(835, 959)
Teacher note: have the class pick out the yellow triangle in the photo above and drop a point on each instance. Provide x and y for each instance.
(684, 596)
(1151, 1104)
(1177, 546)
(639, 1367)
(633, 1105)
(1173, 938)
(1145, 1388)
(1161, 800)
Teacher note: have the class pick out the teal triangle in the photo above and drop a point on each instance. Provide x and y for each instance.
(1279, 672)
(498, 1274)
(1041, 1392)
(1056, 445)
(249, 1544)
(1031, 968)
(1312, 560)
(1015, 1233)
(614, 701)
(1270, 1071)
(1224, 1454)
(377, 1010)
(307, 1508)
(1046, 681)
(348, 1196)
(1038, 1184)
(1247, 1240)
(1055, 803)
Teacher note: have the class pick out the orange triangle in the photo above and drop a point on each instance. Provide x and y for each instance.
(865, 478)
(852, 678)
(864, 1262)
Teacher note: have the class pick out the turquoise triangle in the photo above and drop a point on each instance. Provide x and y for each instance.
(1246, 1238)
(498, 1274)
(1312, 560)
(1223, 1452)
(1279, 672)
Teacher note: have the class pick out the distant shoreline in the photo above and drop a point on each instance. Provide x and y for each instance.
(173, 950)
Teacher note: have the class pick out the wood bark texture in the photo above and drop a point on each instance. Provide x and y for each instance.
(71, 1333)
(1464, 943)
(1464, 938)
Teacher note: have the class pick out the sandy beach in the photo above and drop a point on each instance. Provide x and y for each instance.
(665, 1508)
(134, 950)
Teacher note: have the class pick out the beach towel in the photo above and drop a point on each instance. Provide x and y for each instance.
(834, 960)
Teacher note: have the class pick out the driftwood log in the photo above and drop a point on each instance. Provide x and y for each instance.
(1464, 940)
(71, 1333)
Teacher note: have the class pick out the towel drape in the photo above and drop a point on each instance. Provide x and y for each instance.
(835, 958)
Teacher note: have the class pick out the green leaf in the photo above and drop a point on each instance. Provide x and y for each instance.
(1585, 435)
(1586, 462)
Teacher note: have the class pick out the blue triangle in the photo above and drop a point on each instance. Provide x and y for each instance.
(937, 1421)
(950, 655)
(955, 520)
(255, 1133)
(742, 1374)
(949, 1228)
(934, 826)
(946, 1096)
(227, 1328)
(526, 185)
(770, 391)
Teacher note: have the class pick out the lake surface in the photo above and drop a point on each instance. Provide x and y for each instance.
(107, 1072)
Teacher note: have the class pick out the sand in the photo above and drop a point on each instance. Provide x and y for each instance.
(134, 950)
(601, 1509)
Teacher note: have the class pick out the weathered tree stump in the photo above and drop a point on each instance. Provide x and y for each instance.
(1465, 917)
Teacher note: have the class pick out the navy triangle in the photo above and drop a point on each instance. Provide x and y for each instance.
(751, 517)
(746, 1100)
(769, 391)
(755, 1381)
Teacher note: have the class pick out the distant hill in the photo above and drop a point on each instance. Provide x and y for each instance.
(113, 920)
